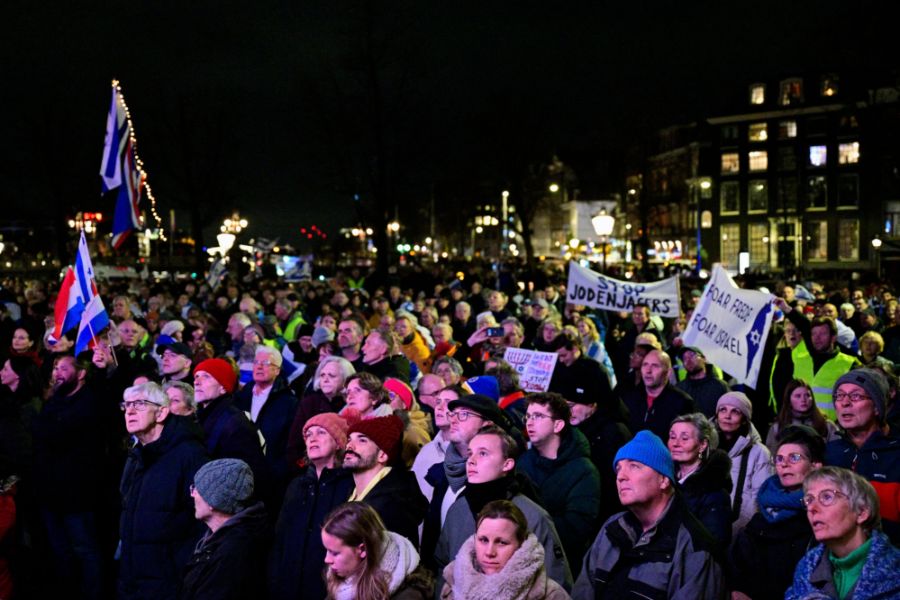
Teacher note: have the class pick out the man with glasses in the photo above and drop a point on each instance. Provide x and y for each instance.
(560, 466)
(271, 404)
(867, 445)
(157, 527)
(434, 451)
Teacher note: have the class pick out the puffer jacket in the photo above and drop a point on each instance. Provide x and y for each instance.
(569, 486)
(157, 527)
(878, 580)
(759, 468)
(521, 578)
(707, 493)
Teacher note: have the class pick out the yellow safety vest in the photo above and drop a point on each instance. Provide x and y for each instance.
(823, 381)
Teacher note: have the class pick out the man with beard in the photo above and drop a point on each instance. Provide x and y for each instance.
(157, 528)
(68, 455)
(380, 479)
(700, 382)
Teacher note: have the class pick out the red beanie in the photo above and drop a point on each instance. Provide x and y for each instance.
(386, 432)
(335, 425)
(403, 391)
(221, 370)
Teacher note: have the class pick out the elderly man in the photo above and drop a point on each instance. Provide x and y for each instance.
(237, 323)
(434, 451)
(271, 405)
(658, 402)
(867, 445)
(379, 358)
(176, 361)
(449, 369)
(656, 548)
(157, 528)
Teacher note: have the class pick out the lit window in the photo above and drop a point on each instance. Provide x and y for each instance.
(757, 93)
(758, 132)
(759, 243)
(848, 190)
(848, 239)
(729, 198)
(787, 129)
(731, 162)
(817, 240)
(818, 156)
(759, 160)
(731, 243)
(791, 92)
(816, 193)
(758, 196)
(848, 153)
(829, 85)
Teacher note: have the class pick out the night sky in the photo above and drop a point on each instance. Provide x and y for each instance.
(267, 107)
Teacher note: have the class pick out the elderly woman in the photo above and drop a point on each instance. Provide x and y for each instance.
(502, 561)
(367, 396)
(799, 408)
(750, 459)
(871, 345)
(181, 398)
(854, 559)
(703, 473)
(777, 536)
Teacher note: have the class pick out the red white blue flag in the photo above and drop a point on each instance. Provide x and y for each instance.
(119, 169)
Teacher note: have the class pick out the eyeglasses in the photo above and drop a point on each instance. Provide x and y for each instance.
(461, 415)
(825, 497)
(138, 405)
(792, 458)
(853, 397)
(537, 417)
(262, 363)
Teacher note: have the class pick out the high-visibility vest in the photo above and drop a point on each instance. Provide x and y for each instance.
(823, 381)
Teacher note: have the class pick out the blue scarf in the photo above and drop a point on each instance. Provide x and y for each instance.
(776, 504)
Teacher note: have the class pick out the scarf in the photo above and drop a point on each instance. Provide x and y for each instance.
(479, 494)
(523, 571)
(454, 468)
(399, 560)
(776, 504)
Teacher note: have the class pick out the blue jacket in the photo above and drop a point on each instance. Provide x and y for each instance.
(157, 526)
(879, 579)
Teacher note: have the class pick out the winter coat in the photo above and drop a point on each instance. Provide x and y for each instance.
(415, 433)
(399, 503)
(229, 564)
(313, 403)
(707, 493)
(522, 577)
(391, 366)
(585, 373)
(705, 392)
(460, 525)
(416, 351)
(69, 444)
(274, 422)
(674, 560)
(879, 579)
(7, 524)
(670, 403)
(770, 547)
(748, 447)
(157, 527)
(878, 460)
(605, 434)
(297, 556)
(431, 454)
(400, 562)
(570, 488)
(230, 434)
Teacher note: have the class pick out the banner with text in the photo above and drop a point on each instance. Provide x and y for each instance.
(535, 368)
(599, 291)
(730, 326)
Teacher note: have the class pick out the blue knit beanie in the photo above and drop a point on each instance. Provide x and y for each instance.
(647, 449)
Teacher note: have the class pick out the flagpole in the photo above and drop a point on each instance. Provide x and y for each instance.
(112, 349)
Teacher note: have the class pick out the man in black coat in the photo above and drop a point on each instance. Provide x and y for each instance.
(380, 479)
(157, 528)
(655, 405)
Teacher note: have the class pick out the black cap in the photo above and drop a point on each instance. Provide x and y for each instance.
(693, 349)
(485, 406)
(176, 347)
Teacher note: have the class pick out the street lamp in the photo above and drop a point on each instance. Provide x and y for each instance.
(603, 226)
(876, 245)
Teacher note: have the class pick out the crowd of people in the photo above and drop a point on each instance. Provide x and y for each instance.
(354, 437)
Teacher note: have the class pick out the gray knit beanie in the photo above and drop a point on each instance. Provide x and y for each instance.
(873, 382)
(225, 484)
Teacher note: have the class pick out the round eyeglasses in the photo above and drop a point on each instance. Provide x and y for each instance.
(825, 497)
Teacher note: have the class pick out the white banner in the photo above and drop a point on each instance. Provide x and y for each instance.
(599, 291)
(730, 326)
(535, 368)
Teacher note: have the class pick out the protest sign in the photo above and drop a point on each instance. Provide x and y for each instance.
(730, 326)
(535, 368)
(599, 291)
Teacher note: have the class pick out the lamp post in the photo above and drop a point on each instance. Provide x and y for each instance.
(876, 246)
(603, 226)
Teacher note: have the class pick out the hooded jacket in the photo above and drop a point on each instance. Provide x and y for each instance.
(521, 578)
(707, 493)
(157, 528)
(570, 488)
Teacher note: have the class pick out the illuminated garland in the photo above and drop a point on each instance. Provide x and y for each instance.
(138, 162)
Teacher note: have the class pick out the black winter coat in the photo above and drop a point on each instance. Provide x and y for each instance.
(157, 528)
(707, 493)
(274, 421)
(297, 557)
(671, 403)
(230, 563)
(606, 435)
(399, 502)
